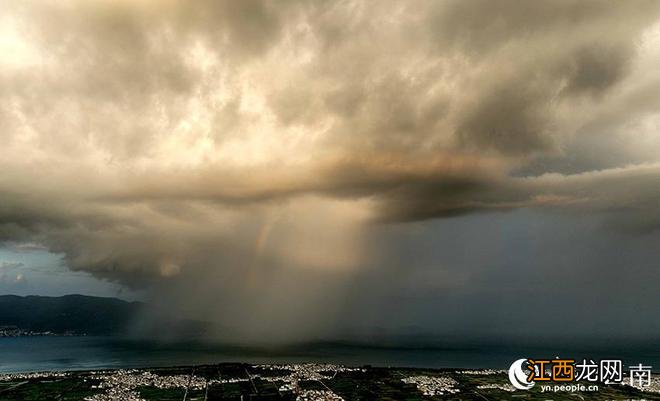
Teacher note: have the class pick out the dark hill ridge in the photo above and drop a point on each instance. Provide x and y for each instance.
(70, 313)
(81, 314)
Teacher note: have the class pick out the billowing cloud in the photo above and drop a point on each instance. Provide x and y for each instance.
(261, 142)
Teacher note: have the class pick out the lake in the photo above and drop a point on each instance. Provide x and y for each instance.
(23, 354)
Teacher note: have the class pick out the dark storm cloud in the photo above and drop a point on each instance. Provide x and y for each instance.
(162, 143)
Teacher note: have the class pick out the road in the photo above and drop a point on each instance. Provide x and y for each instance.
(185, 394)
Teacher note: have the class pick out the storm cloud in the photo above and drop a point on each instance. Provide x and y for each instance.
(266, 155)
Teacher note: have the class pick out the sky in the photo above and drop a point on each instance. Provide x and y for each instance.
(29, 269)
(353, 169)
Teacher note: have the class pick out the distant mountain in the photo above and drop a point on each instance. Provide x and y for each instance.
(77, 314)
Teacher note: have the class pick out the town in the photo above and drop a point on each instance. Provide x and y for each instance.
(15, 331)
(291, 382)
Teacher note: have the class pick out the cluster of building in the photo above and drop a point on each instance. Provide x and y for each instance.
(306, 371)
(286, 387)
(121, 385)
(496, 386)
(137, 378)
(318, 395)
(433, 385)
(31, 375)
(116, 394)
(14, 331)
(484, 372)
(653, 387)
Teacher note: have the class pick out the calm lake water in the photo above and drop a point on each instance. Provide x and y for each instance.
(80, 353)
